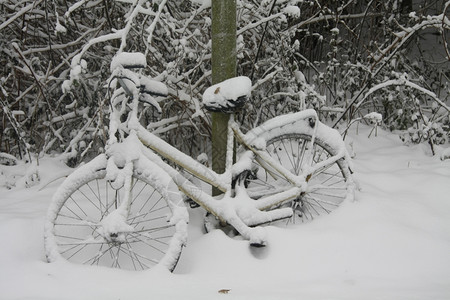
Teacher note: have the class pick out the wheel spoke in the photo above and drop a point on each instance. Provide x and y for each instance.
(137, 236)
(79, 207)
(135, 258)
(96, 195)
(89, 199)
(148, 220)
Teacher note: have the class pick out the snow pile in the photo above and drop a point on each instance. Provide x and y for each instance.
(393, 243)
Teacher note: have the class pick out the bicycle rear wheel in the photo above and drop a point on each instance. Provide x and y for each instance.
(75, 232)
(327, 188)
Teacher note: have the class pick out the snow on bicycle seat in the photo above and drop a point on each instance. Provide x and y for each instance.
(129, 60)
(228, 96)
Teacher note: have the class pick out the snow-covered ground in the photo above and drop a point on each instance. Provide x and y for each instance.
(392, 243)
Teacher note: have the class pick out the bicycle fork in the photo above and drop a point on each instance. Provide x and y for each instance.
(114, 226)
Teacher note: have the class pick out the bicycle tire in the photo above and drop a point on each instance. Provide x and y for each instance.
(290, 146)
(74, 231)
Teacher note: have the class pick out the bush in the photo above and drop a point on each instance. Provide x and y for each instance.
(331, 56)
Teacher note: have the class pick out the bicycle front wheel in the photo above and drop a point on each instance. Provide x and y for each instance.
(327, 187)
(74, 229)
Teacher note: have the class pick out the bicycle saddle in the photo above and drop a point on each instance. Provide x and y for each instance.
(227, 96)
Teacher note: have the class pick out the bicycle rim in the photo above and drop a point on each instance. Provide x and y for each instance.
(77, 226)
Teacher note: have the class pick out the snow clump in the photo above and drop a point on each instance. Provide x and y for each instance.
(128, 59)
(292, 11)
(374, 117)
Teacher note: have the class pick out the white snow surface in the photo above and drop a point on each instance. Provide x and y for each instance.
(393, 242)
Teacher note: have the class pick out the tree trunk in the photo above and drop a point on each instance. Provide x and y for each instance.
(223, 67)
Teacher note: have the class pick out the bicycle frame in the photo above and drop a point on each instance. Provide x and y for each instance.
(221, 181)
(235, 207)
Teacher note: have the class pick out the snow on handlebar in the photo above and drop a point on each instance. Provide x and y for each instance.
(122, 68)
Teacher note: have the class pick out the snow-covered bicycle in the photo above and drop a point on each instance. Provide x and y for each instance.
(124, 208)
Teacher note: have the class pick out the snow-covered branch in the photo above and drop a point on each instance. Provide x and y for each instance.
(20, 13)
(402, 82)
(299, 54)
(440, 21)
